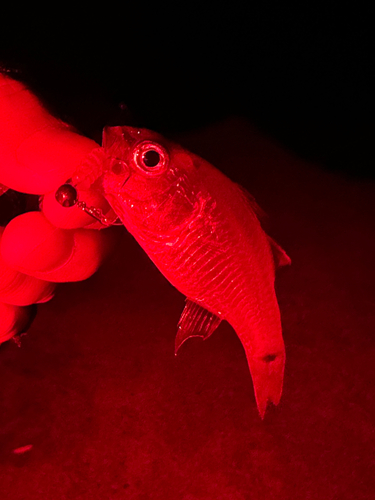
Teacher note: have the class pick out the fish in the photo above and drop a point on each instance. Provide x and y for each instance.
(203, 232)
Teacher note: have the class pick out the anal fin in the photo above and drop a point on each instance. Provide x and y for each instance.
(195, 321)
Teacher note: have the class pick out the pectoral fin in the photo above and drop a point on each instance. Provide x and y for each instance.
(195, 321)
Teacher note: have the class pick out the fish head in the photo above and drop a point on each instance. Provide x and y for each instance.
(148, 179)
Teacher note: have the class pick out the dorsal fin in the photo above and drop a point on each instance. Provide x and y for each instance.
(279, 255)
(195, 321)
(252, 204)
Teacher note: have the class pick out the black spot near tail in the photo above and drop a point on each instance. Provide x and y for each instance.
(269, 358)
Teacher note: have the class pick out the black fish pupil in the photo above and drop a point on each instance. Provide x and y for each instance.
(151, 158)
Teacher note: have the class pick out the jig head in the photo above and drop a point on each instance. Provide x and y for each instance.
(67, 196)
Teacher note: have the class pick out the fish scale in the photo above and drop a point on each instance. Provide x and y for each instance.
(192, 275)
(241, 306)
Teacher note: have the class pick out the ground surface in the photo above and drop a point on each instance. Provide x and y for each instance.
(111, 413)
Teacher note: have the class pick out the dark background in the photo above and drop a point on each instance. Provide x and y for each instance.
(302, 75)
(95, 388)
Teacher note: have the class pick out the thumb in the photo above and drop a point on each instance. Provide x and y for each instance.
(38, 152)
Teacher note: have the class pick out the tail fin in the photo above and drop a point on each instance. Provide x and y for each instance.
(268, 374)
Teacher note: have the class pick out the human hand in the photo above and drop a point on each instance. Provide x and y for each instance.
(49, 244)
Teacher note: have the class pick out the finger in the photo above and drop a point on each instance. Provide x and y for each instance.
(14, 320)
(32, 245)
(38, 152)
(90, 248)
(19, 289)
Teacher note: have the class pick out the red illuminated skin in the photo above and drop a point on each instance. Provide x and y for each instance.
(38, 153)
(203, 234)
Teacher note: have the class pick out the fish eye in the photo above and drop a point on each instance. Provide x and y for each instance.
(151, 157)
